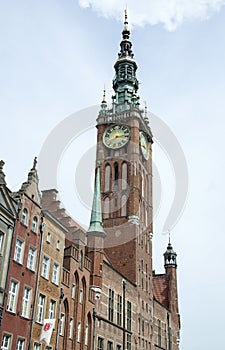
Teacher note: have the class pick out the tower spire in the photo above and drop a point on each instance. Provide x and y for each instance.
(96, 226)
(125, 80)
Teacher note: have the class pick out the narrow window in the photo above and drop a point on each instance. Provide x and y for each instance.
(73, 291)
(86, 334)
(12, 297)
(48, 239)
(55, 274)
(124, 205)
(71, 329)
(129, 316)
(81, 296)
(79, 332)
(58, 245)
(40, 309)
(109, 345)
(128, 342)
(19, 249)
(26, 302)
(111, 305)
(6, 342)
(24, 218)
(20, 344)
(34, 224)
(107, 177)
(119, 310)
(106, 208)
(37, 346)
(31, 260)
(62, 323)
(52, 308)
(100, 344)
(45, 267)
(116, 173)
(124, 176)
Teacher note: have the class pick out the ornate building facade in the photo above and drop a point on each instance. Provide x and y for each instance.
(98, 286)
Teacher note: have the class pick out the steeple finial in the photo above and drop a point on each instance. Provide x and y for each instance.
(126, 44)
(2, 175)
(96, 226)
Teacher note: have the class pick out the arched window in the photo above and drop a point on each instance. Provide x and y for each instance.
(107, 177)
(24, 219)
(116, 173)
(34, 224)
(106, 208)
(79, 332)
(124, 176)
(123, 205)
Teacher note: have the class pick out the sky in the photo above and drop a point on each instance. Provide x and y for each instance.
(56, 56)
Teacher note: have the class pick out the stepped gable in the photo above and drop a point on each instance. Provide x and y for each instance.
(51, 203)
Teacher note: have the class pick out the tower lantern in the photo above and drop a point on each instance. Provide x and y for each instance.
(170, 257)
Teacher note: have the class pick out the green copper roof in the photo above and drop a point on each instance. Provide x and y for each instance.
(96, 214)
(170, 257)
(125, 83)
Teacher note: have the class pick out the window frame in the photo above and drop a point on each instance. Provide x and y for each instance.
(9, 336)
(24, 219)
(31, 258)
(56, 274)
(100, 344)
(71, 326)
(45, 275)
(111, 305)
(52, 309)
(19, 251)
(41, 309)
(26, 302)
(34, 224)
(20, 341)
(13, 296)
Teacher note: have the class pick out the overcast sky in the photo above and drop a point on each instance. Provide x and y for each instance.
(56, 57)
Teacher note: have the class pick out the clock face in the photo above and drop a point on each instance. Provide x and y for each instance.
(116, 136)
(144, 145)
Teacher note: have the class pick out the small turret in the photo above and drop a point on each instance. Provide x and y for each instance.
(170, 257)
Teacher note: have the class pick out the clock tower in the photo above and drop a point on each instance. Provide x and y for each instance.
(124, 153)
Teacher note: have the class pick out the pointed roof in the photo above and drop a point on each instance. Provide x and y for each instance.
(126, 45)
(96, 226)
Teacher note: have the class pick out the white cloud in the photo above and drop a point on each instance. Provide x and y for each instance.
(171, 13)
